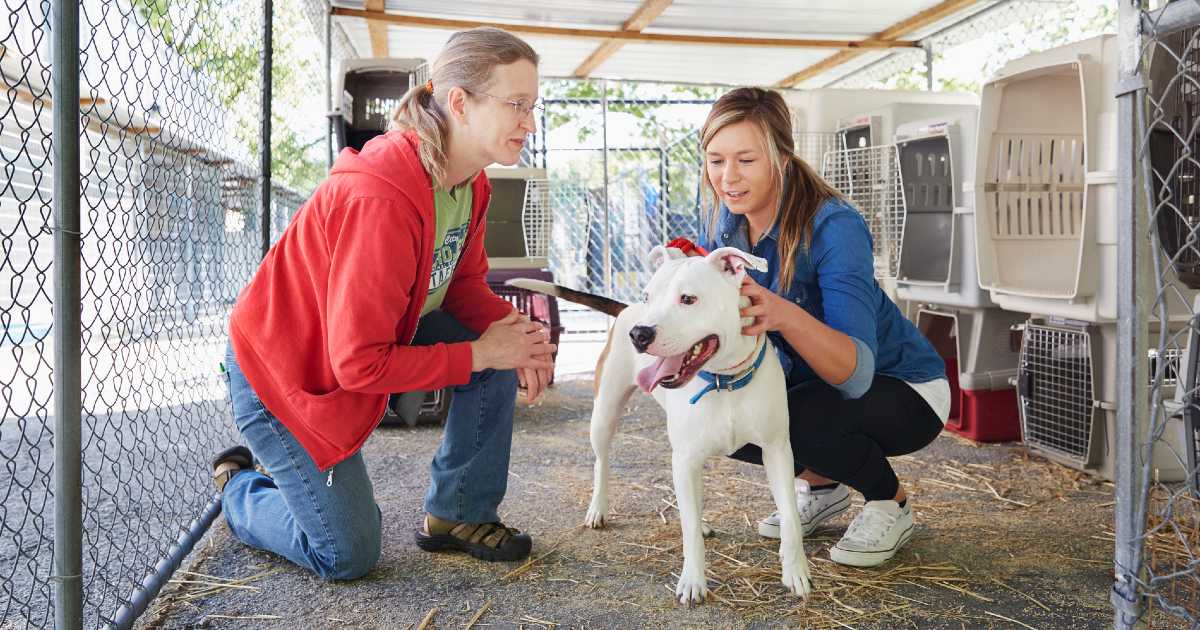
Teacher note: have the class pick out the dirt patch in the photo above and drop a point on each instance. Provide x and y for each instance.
(1004, 539)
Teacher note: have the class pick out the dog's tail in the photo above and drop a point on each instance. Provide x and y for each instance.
(600, 303)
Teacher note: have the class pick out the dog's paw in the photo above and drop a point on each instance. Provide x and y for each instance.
(691, 589)
(596, 515)
(796, 578)
(706, 530)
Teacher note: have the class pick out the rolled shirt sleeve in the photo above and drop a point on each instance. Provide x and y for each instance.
(845, 269)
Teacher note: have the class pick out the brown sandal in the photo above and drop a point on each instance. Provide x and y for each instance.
(239, 455)
(486, 541)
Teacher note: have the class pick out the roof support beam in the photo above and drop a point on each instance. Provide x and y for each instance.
(419, 21)
(378, 31)
(640, 19)
(901, 29)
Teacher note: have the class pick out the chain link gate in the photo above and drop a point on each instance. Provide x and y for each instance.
(629, 153)
(170, 229)
(1158, 520)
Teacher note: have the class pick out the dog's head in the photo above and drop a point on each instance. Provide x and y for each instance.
(692, 313)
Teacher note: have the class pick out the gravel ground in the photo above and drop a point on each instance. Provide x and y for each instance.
(1004, 539)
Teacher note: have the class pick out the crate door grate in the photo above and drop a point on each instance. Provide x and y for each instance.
(811, 146)
(870, 179)
(537, 218)
(1034, 187)
(1056, 390)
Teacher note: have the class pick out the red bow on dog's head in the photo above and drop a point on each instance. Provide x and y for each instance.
(687, 247)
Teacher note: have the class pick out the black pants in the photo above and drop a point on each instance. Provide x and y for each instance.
(849, 441)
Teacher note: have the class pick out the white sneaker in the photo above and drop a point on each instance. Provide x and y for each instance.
(874, 535)
(815, 508)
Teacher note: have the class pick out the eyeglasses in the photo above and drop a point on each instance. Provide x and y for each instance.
(520, 106)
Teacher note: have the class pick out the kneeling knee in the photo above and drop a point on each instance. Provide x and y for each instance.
(360, 554)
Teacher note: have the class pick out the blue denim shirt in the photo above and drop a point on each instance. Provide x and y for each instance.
(834, 281)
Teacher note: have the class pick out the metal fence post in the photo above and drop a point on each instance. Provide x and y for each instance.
(68, 454)
(608, 262)
(928, 66)
(328, 86)
(265, 142)
(1133, 264)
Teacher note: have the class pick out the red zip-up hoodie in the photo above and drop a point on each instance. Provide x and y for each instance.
(322, 330)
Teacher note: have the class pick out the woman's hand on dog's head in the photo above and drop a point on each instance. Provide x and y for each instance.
(770, 311)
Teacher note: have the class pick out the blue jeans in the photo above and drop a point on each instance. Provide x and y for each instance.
(329, 522)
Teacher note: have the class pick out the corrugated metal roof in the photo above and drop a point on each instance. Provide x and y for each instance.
(848, 20)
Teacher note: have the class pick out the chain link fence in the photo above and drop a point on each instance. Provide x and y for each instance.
(625, 160)
(1158, 556)
(170, 230)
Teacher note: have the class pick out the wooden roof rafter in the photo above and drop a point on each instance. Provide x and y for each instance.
(905, 27)
(420, 21)
(640, 19)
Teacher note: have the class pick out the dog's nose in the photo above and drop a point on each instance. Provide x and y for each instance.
(642, 337)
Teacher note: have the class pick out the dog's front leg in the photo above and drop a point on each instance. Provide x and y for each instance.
(688, 471)
(777, 459)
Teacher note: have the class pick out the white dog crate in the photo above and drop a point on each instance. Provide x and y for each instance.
(1045, 183)
(981, 360)
(366, 92)
(937, 160)
(937, 269)
(519, 219)
(818, 115)
(864, 164)
(1067, 387)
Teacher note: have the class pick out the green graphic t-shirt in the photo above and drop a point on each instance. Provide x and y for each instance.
(453, 211)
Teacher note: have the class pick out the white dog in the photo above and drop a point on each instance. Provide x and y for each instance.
(720, 389)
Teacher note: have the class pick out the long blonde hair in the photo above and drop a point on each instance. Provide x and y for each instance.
(800, 191)
(466, 62)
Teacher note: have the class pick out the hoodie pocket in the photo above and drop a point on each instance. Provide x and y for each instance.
(330, 415)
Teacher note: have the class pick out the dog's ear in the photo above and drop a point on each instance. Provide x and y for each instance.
(660, 255)
(732, 262)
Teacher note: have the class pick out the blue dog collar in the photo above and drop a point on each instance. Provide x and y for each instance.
(730, 382)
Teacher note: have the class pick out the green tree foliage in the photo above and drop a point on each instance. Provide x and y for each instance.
(1036, 31)
(221, 41)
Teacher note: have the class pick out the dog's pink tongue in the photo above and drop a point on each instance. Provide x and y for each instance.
(664, 368)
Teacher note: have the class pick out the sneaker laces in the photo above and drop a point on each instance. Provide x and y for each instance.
(870, 525)
(804, 499)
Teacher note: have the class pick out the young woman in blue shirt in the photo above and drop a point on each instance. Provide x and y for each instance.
(863, 383)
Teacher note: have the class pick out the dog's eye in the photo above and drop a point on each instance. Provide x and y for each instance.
(646, 298)
(687, 300)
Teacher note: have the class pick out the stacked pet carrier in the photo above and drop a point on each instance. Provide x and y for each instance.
(859, 158)
(937, 271)
(366, 92)
(1046, 243)
(1174, 145)
(519, 222)
(905, 162)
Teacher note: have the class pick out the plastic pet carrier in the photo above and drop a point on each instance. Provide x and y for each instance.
(937, 270)
(1067, 386)
(367, 91)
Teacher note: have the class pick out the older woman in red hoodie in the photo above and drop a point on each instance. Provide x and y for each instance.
(378, 286)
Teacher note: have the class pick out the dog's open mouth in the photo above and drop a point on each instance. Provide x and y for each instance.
(675, 371)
